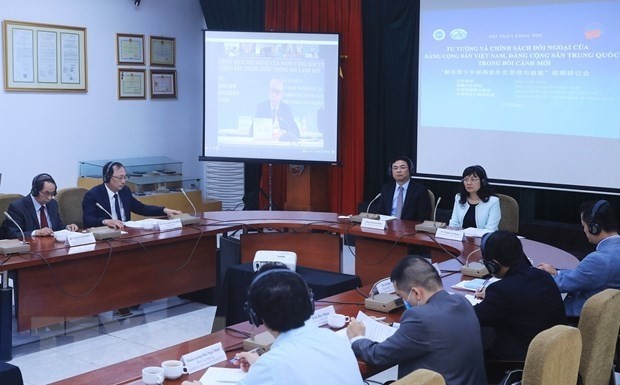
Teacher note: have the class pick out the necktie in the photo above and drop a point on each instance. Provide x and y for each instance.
(117, 208)
(399, 202)
(43, 218)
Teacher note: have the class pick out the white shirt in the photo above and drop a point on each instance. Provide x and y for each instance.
(308, 355)
(112, 204)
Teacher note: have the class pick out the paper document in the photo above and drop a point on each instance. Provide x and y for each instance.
(219, 376)
(472, 299)
(474, 284)
(375, 330)
(474, 232)
(144, 223)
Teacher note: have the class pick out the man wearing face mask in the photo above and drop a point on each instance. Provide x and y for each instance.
(428, 336)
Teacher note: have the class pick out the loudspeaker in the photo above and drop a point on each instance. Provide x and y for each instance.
(254, 317)
(38, 181)
(406, 159)
(593, 227)
(108, 170)
(492, 266)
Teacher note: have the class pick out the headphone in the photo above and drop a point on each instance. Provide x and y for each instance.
(492, 266)
(255, 318)
(481, 173)
(38, 181)
(108, 170)
(406, 159)
(593, 227)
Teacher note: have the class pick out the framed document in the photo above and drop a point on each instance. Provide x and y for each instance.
(162, 51)
(131, 83)
(129, 49)
(44, 57)
(163, 84)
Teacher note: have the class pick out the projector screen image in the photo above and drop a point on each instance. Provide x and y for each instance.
(528, 89)
(270, 97)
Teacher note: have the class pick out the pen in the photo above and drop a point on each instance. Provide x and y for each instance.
(234, 360)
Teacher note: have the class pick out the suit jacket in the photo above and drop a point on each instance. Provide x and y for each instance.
(488, 214)
(93, 216)
(416, 205)
(285, 119)
(428, 338)
(598, 271)
(518, 307)
(22, 210)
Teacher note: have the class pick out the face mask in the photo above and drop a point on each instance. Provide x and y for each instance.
(407, 304)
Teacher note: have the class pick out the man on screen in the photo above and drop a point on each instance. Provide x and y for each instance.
(284, 126)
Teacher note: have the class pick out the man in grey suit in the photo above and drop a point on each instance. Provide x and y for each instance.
(438, 331)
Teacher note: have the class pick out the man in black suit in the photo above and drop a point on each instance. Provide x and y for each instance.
(36, 213)
(284, 126)
(416, 204)
(115, 197)
(520, 305)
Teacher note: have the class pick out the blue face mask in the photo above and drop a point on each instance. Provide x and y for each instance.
(407, 304)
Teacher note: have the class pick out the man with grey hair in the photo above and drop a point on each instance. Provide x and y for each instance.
(438, 331)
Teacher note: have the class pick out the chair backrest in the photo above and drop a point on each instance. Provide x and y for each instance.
(431, 196)
(510, 213)
(70, 205)
(5, 201)
(553, 357)
(421, 377)
(599, 323)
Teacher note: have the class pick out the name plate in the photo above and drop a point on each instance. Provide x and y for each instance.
(79, 239)
(376, 224)
(170, 224)
(454, 235)
(203, 358)
(320, 315)
(385, 286)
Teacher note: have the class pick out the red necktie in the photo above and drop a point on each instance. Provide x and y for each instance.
(43, 218)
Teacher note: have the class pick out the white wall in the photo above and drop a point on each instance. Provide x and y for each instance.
(51, 132)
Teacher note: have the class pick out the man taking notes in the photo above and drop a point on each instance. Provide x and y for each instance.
(438, 331)
(116, 198)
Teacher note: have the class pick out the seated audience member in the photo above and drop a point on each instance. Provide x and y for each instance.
(302, 353)
(116, 199)
(403, 198)
(600, 269)
(438, 331)
(36, 213)
(474, 204)
(520, 305)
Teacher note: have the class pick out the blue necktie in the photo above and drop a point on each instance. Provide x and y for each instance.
(399, 202)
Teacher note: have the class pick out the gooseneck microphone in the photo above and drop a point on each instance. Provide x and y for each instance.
(435, 212)
(372, 201)
(431, 226)
(104, 210)
(190, 202)
(18, 226)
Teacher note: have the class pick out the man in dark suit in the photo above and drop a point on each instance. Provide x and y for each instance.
(428, 336)
(36, 213)
(285, 128)
(516, 308)
(404, 199)
(116, 198)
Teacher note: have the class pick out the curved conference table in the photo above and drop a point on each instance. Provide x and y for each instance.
(57, 281)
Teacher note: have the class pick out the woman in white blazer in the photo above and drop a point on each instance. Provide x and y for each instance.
(475, 205)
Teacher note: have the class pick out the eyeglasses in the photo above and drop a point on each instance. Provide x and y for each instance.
(48, 194)
(120, 177)
(471, 179)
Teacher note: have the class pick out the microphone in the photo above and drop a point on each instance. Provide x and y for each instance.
(187, 219)
(18, 226)
(13, 246)
(189, 200)
(431, 226)
(362, 215)
(104, 210)
(382, 302)
(474, 269)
